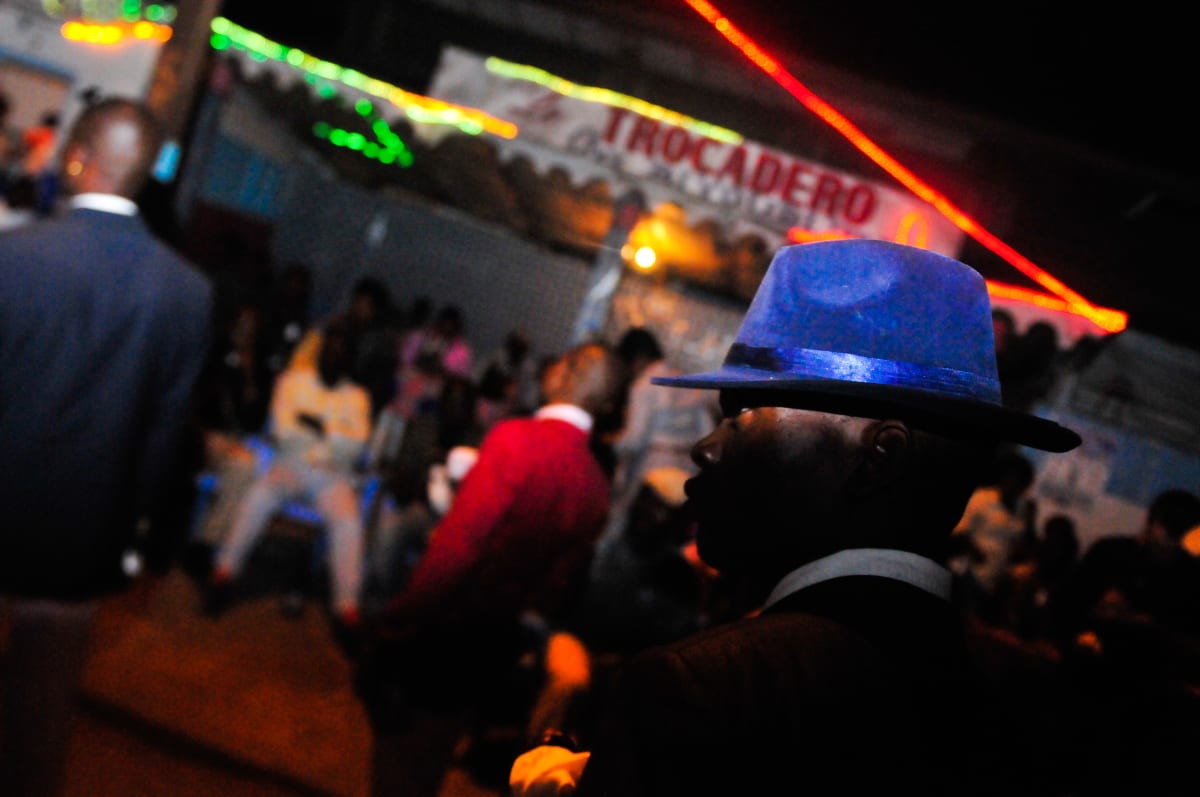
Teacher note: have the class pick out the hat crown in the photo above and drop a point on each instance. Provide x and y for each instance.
(854, 323)
(872, 311)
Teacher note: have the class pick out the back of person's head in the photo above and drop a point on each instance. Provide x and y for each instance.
(928, 495)
(419, 312)
(639, 344)
(1174, 511)
(22, 193)
(111, 148)
(449, 321)
(1013, 472)
(516, 346)
(588, 375)
(496, 384)
(370, 300)
(1039, 344)
(1059, 548)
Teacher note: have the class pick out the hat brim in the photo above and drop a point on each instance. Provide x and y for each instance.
(959, 417)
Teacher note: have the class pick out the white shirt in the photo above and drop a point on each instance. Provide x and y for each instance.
(576, 416)
(106, 203)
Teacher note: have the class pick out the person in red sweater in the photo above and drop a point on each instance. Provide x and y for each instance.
(515, 544)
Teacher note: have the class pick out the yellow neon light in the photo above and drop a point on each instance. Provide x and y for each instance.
(1106, 319)
(114, 32)
(800, 235)
(913, 229)
(609, 97)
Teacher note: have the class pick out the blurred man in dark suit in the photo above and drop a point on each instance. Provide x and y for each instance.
(103, 331)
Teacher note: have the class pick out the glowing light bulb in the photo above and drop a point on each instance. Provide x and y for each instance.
(645, 258)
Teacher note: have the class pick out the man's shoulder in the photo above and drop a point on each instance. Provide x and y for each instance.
(731, 641)
(752, 652)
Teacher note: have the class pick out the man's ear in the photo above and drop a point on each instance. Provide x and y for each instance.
(886, 447)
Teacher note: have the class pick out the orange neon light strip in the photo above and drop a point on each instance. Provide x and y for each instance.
(114, 33)
(1106, 319)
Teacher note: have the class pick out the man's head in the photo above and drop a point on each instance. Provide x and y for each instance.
(111, 149)
(588, 376)
(370, 302)
(1170, 516)
(639, 347)
(449, 323)
(861, 406)
(779, 486)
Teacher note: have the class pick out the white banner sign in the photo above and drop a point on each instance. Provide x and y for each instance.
(744, 187)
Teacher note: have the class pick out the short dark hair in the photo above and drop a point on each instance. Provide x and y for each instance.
(639, 342)
(375, 290)
(1176, 510)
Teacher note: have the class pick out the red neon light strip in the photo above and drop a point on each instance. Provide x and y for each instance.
(1108, 320)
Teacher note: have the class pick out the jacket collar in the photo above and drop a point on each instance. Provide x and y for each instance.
(911, 568)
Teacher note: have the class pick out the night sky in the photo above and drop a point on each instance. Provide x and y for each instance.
(1119, 79)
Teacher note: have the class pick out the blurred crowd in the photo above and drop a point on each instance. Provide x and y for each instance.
(493, 533)
(1126, 608)
(28, 178)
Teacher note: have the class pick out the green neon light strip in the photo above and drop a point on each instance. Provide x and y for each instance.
(388, 147)
(608, 97)
(227, 34)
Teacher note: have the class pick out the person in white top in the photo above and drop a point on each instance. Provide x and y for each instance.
(996, 530)
(320, 421)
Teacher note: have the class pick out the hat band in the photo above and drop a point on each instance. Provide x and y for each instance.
(839, 366)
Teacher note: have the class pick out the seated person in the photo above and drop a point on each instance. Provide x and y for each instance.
(320, 421)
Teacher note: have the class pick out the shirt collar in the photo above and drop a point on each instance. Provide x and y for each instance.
(105, 203)
(576, 416)
(920, 571)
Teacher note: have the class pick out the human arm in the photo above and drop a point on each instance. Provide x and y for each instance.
(548, 770)
(288, 404)
(457, 543)
(348, 427)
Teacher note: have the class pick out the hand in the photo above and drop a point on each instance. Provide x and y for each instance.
(311, 422)
(546, 771)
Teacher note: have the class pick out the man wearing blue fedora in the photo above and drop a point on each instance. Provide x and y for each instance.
(861, 404)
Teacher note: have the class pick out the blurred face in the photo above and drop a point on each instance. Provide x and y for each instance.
(771, 482)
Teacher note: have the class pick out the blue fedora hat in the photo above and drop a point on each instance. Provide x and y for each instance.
(868, 327)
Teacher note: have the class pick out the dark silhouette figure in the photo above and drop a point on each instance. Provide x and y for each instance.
(103, 333)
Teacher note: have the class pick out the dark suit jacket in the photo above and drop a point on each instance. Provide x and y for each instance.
(103, 331)
(857, 685)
